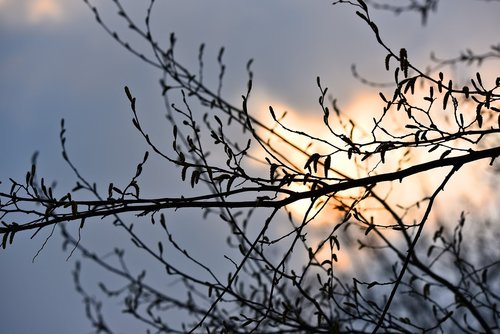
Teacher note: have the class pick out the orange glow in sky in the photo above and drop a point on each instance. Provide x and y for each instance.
(362, 109)
(40, 10)
(33, 11)
(457, 196)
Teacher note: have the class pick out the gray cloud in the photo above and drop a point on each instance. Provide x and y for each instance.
(61, 64)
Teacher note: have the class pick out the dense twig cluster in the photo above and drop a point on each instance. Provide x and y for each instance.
(284, 282)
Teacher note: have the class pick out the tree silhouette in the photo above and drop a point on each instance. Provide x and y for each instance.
(287, 272)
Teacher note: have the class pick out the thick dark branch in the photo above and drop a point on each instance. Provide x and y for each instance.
(263, 202)
(399, 175)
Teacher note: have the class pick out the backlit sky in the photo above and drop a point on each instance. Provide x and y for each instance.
(56, 62)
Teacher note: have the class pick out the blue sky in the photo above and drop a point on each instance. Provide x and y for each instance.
(56, 62)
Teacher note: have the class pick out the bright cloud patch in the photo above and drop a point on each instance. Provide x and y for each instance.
(34, 12)
(40, 10)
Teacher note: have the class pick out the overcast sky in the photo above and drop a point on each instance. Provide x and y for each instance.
(56, 62)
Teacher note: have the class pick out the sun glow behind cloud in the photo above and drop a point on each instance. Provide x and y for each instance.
(403, 196)
(36, 12)
(362, 109)
(44, 10)
(322, 215)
